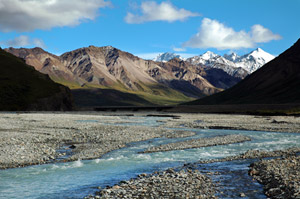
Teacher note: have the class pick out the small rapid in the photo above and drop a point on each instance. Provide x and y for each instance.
(82, 177)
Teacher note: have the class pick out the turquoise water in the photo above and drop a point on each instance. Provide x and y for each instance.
(80, 178)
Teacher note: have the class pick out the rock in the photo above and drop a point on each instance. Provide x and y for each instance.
(242, 195)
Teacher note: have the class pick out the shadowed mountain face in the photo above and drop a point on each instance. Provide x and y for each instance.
(277, 82)
(109, 68)
(24, 88)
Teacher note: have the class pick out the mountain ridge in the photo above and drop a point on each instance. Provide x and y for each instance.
(233, 64)
(277, 82)
(110, 68)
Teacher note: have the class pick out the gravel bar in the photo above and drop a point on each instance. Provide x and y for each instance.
(255, 154)
(166, 184)
(35, 138)
(280, 177)
(197, 143)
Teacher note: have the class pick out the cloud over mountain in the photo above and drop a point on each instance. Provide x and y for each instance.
(166, 11)
(261, 34)
(213, 34)
(28, 15)
(23, 41)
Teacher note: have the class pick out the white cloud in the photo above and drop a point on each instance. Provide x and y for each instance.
(38, 43)
(23, 41)
(213, 34)
(151, 56)
(18, 41)
(28, 15)
(261, 34)
(166, 11)
(148, 56)
(179, 49)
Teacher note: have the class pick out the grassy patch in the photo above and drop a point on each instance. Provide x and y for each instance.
(118, 95)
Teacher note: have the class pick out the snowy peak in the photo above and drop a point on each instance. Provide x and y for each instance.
(208, 55)
(207, 59)
(232, 57)
(261, 54)
(165, 57)
(254, 60)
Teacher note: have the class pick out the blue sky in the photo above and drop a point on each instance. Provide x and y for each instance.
(145, 28)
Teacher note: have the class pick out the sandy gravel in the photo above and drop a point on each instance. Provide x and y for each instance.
(239, 122)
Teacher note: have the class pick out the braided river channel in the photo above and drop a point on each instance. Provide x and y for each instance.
(83, 177)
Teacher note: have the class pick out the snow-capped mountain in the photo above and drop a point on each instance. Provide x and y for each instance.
(232, 57)
(204, 59)
(165, 57)
(254, 60)
(239, 66)
(213, 60)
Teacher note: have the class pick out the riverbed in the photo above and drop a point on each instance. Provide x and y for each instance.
(121, 160)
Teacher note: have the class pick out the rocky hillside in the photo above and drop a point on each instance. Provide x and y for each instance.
(163, 82)
(110, 68)
(277, 82)
(23, 88)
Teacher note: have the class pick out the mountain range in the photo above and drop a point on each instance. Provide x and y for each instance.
(233, 64)
(277, 82)
(120, 74)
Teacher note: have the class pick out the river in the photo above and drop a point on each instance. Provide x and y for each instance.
(81, 178)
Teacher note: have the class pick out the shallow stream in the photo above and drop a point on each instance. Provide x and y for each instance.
(81, 178)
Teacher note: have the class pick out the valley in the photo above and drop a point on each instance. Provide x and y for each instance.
(149, 99)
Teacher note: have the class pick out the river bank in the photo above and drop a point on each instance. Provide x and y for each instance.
(280, 176)
(34, 138)
(29, 139)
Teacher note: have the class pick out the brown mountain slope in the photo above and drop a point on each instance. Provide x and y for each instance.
(111, 68)
(44, 62)
(277, 82)
(187, 78)
(23, 88)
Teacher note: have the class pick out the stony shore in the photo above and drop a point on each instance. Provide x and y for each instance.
(29, 139)
(166, 184)
(198, 143)
(255, 154)
(285, 124)
(280, 177)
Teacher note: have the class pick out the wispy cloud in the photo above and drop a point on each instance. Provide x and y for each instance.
(213, 34)
(148, 56)
(166, 11)
(151, 56)
(28, 15)
(24, 41)
(178, 49)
